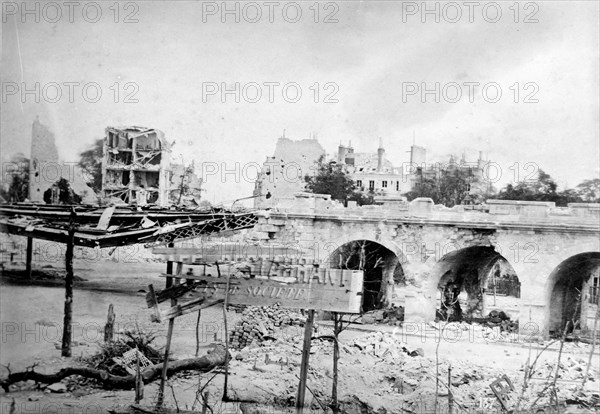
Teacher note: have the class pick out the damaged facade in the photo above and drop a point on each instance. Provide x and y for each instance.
(46, 170)
(136, 167)
(282, 175)
(185, 186)
(374, 173)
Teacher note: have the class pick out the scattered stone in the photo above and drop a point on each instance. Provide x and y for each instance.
(417, 352)
(259, 323)
(58, 387)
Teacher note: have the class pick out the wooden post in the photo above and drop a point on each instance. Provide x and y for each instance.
(337, 327)
(163, 379)
(110, 325)
(29, 257)
(198, 332)
(169, 269)
(205, 402)
(450, 395)
(68, 317)
(139, 383)
(308, 329)
(494, 281)
(225, 303)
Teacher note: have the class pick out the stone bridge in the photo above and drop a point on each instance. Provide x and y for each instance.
(416, 250)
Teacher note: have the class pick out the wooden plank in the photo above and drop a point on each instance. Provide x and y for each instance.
(153, 298)
(327, 289)
(105, 218)
(188, 307)
(211, 253)
(81, 239)
(153, 303)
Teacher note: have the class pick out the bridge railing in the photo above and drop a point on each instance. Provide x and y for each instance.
(494, 211)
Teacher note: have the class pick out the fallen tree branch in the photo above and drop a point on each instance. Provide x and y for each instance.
(216, 357)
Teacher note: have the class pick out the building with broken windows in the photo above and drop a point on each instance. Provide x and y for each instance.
(282, 175)
(373, 172)
(136, 166)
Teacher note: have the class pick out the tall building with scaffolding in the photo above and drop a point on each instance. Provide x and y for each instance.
(136, 166)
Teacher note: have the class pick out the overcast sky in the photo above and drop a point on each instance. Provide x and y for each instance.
(364, 58)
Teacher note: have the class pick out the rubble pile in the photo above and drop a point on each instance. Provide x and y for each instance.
(410, 375)
(393, 316)
(414, 378)
(259, 323)
(378, 370)
(503, 321)
(384, 345)
(571, 373)
(505, 331)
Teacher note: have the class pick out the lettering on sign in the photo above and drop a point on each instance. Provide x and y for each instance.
(295, 286)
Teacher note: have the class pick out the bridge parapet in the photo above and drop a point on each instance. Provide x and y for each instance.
(495, 213)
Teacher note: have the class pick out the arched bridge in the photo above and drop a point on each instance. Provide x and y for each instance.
(537, 262)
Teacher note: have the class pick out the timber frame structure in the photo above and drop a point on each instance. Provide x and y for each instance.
(118, 225)
(135, 166)
(115, 226)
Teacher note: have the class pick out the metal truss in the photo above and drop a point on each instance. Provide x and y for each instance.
(192, 230)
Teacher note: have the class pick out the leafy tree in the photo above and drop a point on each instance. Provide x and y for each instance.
(589, 190)
(567, 196)
(362, 199)
(544, 188)
(332, 179)
(17, 169)
(450, 188)
(66, 195)
(454, 186)
(424, 187)
(90, 162)
(541, 189)
(18, 189)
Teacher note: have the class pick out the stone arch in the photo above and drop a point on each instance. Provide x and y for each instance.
(382, 269)
(566, 250)
(461, 281)
(572, 292)
(330, 244)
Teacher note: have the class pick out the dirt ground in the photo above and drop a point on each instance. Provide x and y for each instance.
(375, 375)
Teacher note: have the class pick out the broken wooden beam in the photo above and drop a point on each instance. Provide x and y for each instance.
(214, 358)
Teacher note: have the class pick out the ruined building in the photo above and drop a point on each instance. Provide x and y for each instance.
(373, 172)
(185, 187)
(477, 171)
(282, 175)
(46, 169)
(136, 166)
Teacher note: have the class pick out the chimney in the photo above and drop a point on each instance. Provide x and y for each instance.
(380, 153)
(342, 151)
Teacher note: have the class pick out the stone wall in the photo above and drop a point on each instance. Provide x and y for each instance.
(533, 244)
(46, 168)
(283, 174)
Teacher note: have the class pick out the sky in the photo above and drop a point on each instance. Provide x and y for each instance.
(518, 81)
